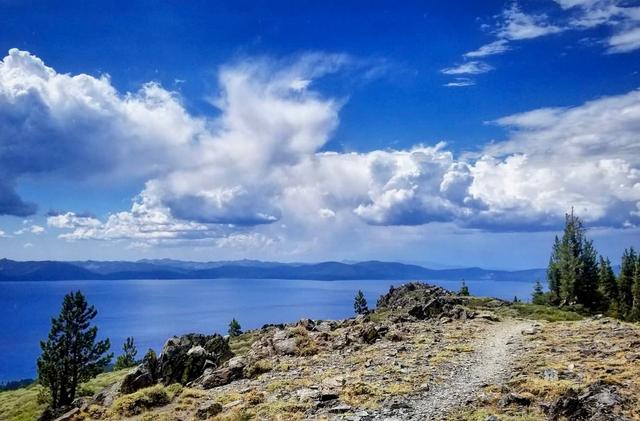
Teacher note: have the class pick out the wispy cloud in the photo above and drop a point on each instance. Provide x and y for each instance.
(496, 47)
(460, 82)
(469, 68)
(517, 25)
(514, 25)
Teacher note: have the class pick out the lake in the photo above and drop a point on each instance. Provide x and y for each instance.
(153, 310)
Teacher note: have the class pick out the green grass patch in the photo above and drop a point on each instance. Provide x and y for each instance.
(539, 312)
(22, 404)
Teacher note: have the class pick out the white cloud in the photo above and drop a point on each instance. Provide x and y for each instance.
(496, 47)
(517, 25)
(254, 177)
(622, 17)
(471, 68)
(33, 229)
(37, 229)
(514, 25)
(3, 234)
(460, 82)
(27, 245)
(626, 41)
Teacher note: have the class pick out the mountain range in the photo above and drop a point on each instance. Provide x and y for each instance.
(11, 270)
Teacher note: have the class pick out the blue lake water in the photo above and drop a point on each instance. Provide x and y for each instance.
(153, 310)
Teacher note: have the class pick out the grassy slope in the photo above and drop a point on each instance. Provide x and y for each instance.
(22, 404)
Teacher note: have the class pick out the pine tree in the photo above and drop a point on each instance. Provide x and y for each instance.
(571, 247)
(234, 328)
(608, 287)
(587, 291)
(516, 299)
(464, 289)
(128, 357)
(635, 308)
(360, 304)
(538, 296)
(553, 273)
(625, 282)
(71, 354)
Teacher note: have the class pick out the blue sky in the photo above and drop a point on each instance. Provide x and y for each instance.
(308, 130)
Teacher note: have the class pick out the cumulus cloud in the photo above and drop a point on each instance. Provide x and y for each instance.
(79, 126)
(256, 176)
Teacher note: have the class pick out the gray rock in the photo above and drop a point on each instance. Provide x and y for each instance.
(233, 370)
(137, 379)
(550, 374)
(286, 346)
(599, 401)
(184, 358)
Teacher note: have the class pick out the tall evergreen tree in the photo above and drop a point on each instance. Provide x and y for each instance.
(553, 273)
(571, 247)
(625, 282)
(71, 354)
(360, 303)
(128, 357)
(587, 291)
(635, 308)
(608, 287)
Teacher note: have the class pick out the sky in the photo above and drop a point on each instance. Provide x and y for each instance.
(445, 134)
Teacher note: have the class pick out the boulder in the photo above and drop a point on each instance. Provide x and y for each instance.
(369, 332)
(184, 358)
(286, 346)
(137, 379)
(231, 371)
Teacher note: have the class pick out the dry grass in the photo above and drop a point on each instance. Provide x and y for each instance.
(582, 353)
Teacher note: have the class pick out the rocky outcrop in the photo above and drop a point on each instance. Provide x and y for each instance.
(183, 360)
(422, 301)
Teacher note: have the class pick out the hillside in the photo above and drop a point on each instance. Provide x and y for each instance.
(246, 269)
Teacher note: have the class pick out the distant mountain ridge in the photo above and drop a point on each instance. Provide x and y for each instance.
(11, 270)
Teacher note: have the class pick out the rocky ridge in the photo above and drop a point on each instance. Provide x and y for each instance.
(424, 353)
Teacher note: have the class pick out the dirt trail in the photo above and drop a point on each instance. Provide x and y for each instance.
(490, 363)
